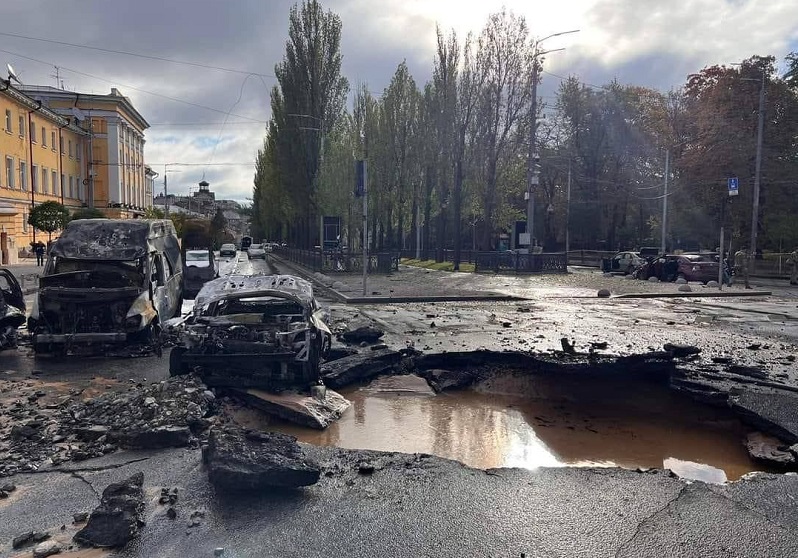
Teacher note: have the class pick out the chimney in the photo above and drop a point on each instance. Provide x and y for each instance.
(115, 92)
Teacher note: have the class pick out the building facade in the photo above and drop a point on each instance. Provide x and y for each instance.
(117, 175)
(42, 158)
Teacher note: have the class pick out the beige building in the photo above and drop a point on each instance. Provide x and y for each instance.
(42, 158)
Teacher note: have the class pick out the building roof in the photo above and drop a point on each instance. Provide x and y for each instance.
(47, 91)
(19, 95)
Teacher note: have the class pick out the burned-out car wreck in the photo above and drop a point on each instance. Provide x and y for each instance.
(262, 331)
(12, 309)
(107, 282)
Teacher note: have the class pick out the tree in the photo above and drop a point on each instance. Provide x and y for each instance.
(306, 104)
(154, 213)
(49, 217)
(88, 213)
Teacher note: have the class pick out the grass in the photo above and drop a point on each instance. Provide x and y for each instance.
(465, 267)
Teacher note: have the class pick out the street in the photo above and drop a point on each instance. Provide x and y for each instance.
(422, 505)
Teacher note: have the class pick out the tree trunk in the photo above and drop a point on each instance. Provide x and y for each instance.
(458, 217)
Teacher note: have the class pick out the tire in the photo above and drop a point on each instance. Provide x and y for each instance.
(176, 365)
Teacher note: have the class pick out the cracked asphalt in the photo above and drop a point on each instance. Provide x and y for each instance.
(418, 505)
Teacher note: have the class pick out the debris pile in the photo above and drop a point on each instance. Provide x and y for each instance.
(245, 460)
(119, 516)
(164, 414)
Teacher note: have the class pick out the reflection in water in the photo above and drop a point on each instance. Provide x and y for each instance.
(562, 423)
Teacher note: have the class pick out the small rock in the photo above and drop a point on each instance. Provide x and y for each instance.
(754, 347)
(599, 345)
(653, 280)
(171, 513)
(365, 468)
(218, 552)
(685, 288)
(713, 284)
(80, 517)
(119, 516)
(21, 540)
(767, 449)
(432, 324)
(680, 350)
(379, 346)
(47, 548)
(604, 293)
(567, 347)
(681, 281)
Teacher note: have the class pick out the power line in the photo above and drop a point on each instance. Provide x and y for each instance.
(135, 54)
(175, 99)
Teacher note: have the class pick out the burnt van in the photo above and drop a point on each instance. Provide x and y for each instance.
(107, 282)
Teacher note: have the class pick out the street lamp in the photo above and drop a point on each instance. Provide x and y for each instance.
(165, 190)
(532, 170)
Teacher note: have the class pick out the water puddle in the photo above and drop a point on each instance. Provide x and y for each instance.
(542, 422)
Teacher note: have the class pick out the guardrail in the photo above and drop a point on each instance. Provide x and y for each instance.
(327, 261)
(512, 262)
(466, 256)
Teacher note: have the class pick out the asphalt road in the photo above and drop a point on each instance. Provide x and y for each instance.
(425, 506)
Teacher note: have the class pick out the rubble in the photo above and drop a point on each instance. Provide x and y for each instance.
(359, 332)
(313, 412)
(30, 537)
(245, 460)
(47, 548)
(119, 516)
(162, 414)
(767, 449)
(774, 413)
(358, 367)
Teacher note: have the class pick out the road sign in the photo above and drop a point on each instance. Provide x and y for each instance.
(734, 186)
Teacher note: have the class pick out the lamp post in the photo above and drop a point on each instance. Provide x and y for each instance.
(532, 170)
(165, 187)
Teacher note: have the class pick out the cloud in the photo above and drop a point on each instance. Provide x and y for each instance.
(638, 41)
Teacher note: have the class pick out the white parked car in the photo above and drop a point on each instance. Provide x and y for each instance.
(256, 251)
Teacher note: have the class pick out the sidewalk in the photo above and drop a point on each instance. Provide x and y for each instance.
(27, 273)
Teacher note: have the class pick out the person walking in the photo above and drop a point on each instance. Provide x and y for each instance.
(741, 264)
(793, 261)
(39, 250)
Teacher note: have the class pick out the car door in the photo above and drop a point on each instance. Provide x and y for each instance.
(159, 288)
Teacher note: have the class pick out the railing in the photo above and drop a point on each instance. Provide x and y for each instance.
(431, 254)
(590, 258)
(329, 261)
(512, 262)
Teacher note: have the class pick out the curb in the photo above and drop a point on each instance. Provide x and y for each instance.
(717, 294)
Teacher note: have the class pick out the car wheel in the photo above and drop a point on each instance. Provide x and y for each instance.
(176, 365)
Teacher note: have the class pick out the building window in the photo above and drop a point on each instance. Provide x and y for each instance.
(71, 152)
(54, 183)
(33, 132)
(22, 126)
(23, 176)
(52, 140)
(63, 184)
(8, 121)
(24, 222)
(44, 184)
(34, 178)
(44, 137)
(78, 149)
(10, 172)
(62, 144)
(71, 186)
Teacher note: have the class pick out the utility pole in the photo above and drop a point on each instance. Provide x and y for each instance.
(165, 196)
(532, 167)
(365, 225)
(665, 202)
(760, 129)
(568, 213)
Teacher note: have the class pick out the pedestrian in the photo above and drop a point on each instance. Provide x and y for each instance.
(39, 249)
(727, 271)
(793, 261)
(741, 263)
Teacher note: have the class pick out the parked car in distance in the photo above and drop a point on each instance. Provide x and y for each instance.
(256, 251)
(200, 267)
(626, 262)
(692, 267)
(227, 250)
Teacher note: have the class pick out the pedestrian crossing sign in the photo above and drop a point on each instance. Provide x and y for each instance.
(734, 186)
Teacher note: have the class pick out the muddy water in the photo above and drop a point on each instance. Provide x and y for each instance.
(528, 422)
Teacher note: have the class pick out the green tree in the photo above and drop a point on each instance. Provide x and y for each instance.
(49, 217)
(154, 213)
(88, 213)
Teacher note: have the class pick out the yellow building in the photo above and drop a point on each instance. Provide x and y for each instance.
(117, 183)
(42, 158)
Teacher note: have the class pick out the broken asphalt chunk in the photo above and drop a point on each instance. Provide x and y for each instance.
(119, 516)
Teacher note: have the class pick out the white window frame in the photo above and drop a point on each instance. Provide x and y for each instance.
(45, 179)
(23, 176)
(9, 167)
(34, 175)
(53, 137)
(21, 126)
(54, 182)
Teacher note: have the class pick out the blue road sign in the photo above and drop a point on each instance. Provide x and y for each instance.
(734, 186)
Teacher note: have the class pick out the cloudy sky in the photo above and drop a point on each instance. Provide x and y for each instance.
(209, 116)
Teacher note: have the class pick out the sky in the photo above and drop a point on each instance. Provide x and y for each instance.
(208, 114)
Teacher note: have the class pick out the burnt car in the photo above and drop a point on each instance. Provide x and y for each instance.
(200, 267)
(107, 282)
(253, 331)
(12, 309)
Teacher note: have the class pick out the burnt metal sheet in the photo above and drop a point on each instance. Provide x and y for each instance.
(240, 286)
(112, 239)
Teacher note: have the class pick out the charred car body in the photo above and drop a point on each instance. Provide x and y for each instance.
(258, 331)
(107, 282)
(12, 309)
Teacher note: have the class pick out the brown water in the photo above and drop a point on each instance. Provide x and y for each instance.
(542, 422)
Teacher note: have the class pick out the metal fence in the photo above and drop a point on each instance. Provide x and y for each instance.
(466, 256)
(328, 261)
(512, 262)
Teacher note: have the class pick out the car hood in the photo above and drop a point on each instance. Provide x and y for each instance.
(243, 286)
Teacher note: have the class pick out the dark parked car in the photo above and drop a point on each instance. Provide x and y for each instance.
(12, 309)
(692, 267)
(227, 250)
